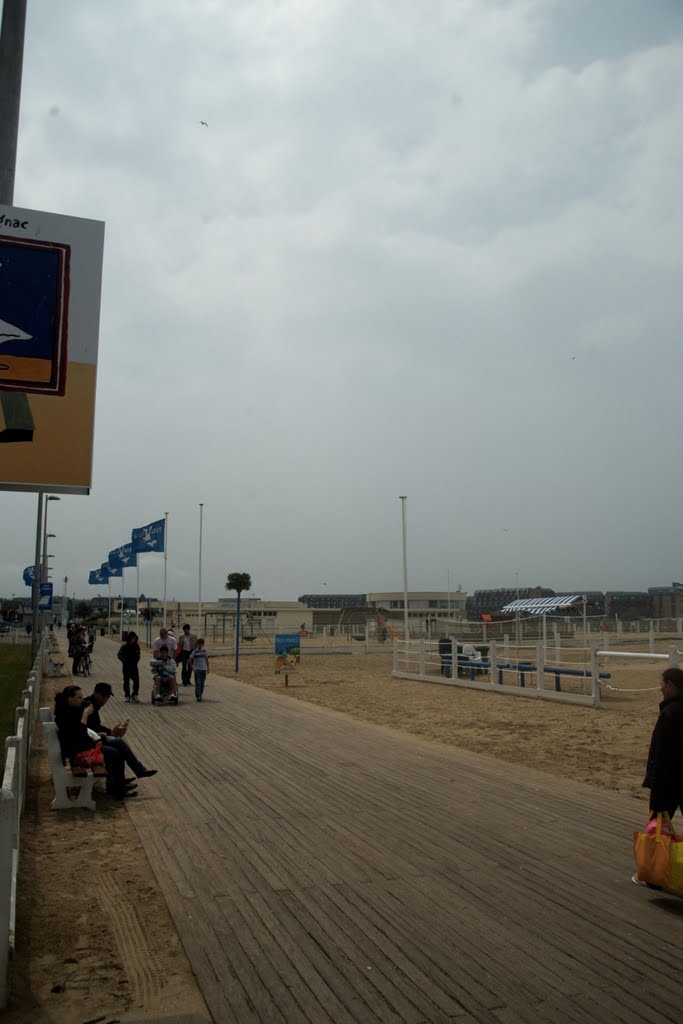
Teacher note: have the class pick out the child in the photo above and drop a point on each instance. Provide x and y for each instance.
(199, 664)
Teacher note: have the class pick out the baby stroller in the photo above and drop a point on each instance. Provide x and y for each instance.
(164, 671)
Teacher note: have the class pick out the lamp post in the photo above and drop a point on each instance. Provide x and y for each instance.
(403, 499)
(48, 497)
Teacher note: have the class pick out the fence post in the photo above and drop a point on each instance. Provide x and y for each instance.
(679, 626)
(421, 665)
(394, 655)
(540, 667)
(8, 815)
(673, 656)
(506, 647)
(595, 675)
(367, 635)
(492, 662)
(652, 637)
(558, 644)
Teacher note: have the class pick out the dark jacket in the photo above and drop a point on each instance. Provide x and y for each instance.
(129, 654)
(664, 774)
(94, 722)
(73, 735)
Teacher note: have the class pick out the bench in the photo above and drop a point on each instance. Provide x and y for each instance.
(62, 777)
(57, 664)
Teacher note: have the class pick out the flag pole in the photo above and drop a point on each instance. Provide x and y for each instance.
(137, 587)
(109, 608)
(122, 603)
(199, 606)
(165, 559)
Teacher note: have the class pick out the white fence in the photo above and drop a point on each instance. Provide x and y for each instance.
(17, 749)
(523, 671)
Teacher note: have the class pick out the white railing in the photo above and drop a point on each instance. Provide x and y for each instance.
(528, 673)
(12, 793)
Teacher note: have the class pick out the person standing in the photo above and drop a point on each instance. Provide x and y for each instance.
(129, 656)
(188, 642)
(446, 655)
(199, 664)
(165, 639)
(664, 774)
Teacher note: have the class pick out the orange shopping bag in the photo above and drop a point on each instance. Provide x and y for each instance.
(653, 854)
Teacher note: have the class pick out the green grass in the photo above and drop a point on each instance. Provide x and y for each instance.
(15, 665)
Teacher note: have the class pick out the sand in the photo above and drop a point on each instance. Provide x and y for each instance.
(81, 965)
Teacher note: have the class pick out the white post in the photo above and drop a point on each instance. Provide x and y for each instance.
(367, 635)
(673, 656)
(421, 664)
(199, 605)
(540, 666)
(403, 500)
(652, 638)
(679, 626)
(137, 589)
(108, 607)
(595, 675)
(165, 560)
(122, 603)
(395, 654)
(558, 644)
(545, 634)
(449, 594)
(506, 647)
(492, 660)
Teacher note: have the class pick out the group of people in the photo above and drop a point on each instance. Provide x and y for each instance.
(189, 652)
(81, 642)
(88, 743)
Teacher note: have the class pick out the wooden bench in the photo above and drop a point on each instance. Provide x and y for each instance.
(62, 777)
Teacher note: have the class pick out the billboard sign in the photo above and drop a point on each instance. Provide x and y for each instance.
(45, 599)
(50, 284)
(287, 652)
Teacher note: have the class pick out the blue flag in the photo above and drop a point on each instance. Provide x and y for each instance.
(109, 573)
(96, 578)
(28, 575)
(122, 558)
(150, 538)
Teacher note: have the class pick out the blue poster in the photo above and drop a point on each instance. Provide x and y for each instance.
(45, 599)
(287, 652)
(34, 290)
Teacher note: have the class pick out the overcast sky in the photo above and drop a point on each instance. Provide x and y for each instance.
(424, 248)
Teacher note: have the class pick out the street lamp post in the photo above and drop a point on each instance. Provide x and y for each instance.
(403, 500)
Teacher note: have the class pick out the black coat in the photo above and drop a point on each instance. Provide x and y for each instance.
(73, 735)
(664, 774)
(129, 654)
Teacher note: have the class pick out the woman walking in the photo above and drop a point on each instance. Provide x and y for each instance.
(129, 656)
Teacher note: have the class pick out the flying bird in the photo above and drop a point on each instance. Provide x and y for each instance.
(204, 123)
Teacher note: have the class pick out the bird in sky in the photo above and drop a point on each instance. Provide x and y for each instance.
(204, 123)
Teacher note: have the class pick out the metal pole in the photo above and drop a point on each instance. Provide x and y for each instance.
(403, 500)
(137, 590)
(165, 560)
(199, 606)
(16, 410)
(35, 639)
(11, 64)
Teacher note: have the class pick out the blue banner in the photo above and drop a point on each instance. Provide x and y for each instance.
(97, 578)
(150, 538)
(122, 558)
(108, 572)
(45, 599)
(28, 575)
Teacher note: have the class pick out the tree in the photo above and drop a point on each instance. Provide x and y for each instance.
(238, 581)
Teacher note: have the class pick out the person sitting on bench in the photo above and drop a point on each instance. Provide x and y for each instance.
(112, 739)
(471, 658)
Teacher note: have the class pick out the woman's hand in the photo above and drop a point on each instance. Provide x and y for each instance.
(87, 712)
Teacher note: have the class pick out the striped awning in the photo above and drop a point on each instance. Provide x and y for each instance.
(544, 605)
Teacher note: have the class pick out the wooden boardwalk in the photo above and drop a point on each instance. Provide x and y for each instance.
(328, 871)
